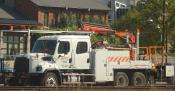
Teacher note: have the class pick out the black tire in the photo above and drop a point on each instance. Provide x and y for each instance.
(49, 80)
(138, 79)
(151, 81)
(121, 79)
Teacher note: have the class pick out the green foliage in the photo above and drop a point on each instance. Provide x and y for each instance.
(100, 19)
(140, 16)
(70, 21)
(72, 28)
(96, 37)
(91, 19)
(153, 9)
(172, 42)
(63, 21)
(111, 40)
(130, 20)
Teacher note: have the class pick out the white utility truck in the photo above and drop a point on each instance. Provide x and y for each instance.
(68, 58)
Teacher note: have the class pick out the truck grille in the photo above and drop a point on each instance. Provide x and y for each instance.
(21, 64)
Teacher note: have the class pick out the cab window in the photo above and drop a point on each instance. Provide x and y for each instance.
(81, 47)
(64, 47)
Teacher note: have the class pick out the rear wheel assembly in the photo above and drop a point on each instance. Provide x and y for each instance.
(138, 79)
(121, 79)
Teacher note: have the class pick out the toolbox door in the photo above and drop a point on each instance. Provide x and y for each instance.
(100, 65)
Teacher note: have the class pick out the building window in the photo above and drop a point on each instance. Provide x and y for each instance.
(81, 47)
(46, 18)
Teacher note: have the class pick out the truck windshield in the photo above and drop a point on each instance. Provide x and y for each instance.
(44, 46)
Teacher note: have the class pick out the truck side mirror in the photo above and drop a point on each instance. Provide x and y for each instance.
(61, 55)
(93, 46)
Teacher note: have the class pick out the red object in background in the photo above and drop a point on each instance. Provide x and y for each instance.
(121, 34)
(132, 38)
(132, 54)
(99, 28)
(104, 29)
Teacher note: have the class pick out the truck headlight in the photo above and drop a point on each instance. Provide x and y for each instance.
(39, 68)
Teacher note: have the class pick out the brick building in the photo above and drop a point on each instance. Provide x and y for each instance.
(49, 12)
(11, 19)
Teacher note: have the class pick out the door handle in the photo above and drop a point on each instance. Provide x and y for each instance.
(70, 60)
(88, 60)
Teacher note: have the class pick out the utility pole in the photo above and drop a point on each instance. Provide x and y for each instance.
(164, 37)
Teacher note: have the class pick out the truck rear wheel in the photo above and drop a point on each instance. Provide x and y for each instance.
(138, 79)
(121, 79)
(49, 80)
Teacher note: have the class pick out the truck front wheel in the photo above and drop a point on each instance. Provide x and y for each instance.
(121, 79)
(49, 80)
(138, 79)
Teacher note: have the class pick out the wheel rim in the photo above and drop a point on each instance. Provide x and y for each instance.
(51, 82)
(138, 81)
(120, 81)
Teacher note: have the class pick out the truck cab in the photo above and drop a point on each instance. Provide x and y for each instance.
(68, 52)
(60, 53)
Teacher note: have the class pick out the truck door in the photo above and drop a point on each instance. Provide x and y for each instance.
(64, 53)
(81, 54)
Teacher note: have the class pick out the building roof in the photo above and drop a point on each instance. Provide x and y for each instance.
(9, 15)
(77, 4)
(17, 22)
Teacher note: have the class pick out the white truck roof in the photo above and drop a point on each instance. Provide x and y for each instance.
(56, 37)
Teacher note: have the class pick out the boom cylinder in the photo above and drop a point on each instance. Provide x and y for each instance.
(137, 43)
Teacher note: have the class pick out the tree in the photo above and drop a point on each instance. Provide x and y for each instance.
(63, 21)
(148, 15)
(110, 39)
